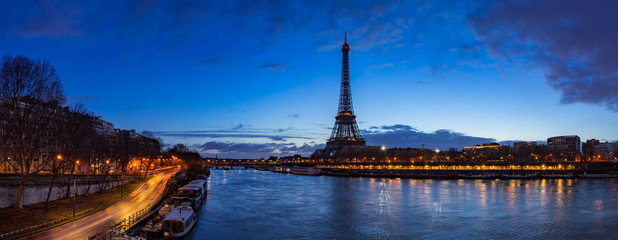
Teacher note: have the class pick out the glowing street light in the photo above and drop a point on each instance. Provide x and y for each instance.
(75, 188)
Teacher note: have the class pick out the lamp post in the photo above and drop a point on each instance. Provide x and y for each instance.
(74, 188)
(121, 179)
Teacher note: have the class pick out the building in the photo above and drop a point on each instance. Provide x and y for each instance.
(564, 148)
(523, 147)
(487, 151)
(32, 125)
(103, 127)
(605, 152)
(588, 148)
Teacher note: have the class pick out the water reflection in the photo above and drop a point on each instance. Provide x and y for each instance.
(251, 204)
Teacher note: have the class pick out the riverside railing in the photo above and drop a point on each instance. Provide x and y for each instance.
(118, 228)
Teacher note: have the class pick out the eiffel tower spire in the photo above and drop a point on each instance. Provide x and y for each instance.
(345, 132)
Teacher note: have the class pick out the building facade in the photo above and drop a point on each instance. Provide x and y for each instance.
(487, 151)
(606, 152)
(564, 148)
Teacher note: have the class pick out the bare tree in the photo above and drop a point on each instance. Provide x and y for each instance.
(56, 167)
(125, 149)
(102, 152)
(75, 132)
(30, 94)
(151, 150)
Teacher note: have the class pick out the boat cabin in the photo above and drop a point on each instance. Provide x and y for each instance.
(179, 222)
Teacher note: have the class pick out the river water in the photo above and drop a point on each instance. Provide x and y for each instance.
(250, 204)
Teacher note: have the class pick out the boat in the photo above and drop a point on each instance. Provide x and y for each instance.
(520, 176)
(313, 171)
(598, 175)
(481, 176)
(193, 193)
(179, 222)
(199, 182)
(282, 169)
(554, 175)
(265, 168)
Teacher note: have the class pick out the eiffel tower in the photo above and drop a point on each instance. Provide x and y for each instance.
(345, 132)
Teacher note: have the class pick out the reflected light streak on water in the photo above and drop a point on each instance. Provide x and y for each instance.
(248, 204)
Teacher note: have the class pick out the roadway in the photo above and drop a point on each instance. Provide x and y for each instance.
(148, 193)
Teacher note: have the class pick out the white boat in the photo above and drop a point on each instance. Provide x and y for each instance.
(555, 175)
(598, 175)
(520, 176)
(199, 182)
(313, 171)
(179, 222)
(193, 193)
(481, 176)
(282, 169)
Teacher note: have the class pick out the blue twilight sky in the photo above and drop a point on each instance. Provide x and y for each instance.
(261, 78)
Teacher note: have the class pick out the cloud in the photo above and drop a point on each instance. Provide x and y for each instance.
(238, 126)
(253, 150)
(280, 130)
(229, 134)
(42, 18)
(437, 69)
(396, 127)
(403, 136)
(241, 145)
(209, 61)
(574, 41)
(277, 67)
(370, 24)
(380, 66)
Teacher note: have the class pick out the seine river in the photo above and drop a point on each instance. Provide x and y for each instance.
(250, 204)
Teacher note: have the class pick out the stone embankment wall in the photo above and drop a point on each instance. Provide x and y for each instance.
(36, 191)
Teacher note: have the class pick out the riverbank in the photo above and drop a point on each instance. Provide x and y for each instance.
(397, 172)
(465, 174)
(32, 215)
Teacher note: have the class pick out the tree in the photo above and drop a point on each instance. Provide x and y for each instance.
(181, 148)
(148, 134)
(75, 131)
(125, 149)
(101, 148)
(151, 150)
(30, 94)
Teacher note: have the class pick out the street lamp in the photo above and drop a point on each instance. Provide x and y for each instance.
(74, 188)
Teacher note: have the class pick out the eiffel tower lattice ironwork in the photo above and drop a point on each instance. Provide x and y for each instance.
(345, 132)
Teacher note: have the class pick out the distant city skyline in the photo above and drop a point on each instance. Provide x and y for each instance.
(252, 79)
